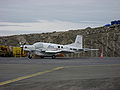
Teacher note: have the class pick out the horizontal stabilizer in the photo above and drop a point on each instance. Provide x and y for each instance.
(88, 49)
(59, 51)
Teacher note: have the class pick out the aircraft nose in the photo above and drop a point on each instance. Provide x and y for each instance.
(28, 47)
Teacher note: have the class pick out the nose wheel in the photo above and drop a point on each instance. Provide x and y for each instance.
(29, 55)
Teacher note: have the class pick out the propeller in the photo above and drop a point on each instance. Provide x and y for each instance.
(22, 44)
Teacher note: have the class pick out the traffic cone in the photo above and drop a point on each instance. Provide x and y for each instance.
(101, 55)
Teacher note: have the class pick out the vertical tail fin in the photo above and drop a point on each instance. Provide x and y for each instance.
(79, 41)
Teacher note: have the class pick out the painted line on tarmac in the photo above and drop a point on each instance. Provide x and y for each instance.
(54, 69)
(29, 76)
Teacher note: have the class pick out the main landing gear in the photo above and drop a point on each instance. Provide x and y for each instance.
(41, 56)
(53, 57)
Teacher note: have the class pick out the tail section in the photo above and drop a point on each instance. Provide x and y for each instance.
(79, 41)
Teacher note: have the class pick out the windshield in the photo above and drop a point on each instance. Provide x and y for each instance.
(38, 45)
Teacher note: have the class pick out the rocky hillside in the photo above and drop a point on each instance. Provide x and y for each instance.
(106, 39)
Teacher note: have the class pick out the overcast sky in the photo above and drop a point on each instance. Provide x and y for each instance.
(37, 16)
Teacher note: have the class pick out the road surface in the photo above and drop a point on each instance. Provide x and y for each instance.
(60, 74)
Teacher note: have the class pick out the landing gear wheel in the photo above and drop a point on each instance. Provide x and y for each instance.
(53, 57)
(29, 55)
(42, 57)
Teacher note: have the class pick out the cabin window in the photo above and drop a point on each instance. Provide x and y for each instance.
(70, 48)
(74, 49)
(61, 46)
(58, 46)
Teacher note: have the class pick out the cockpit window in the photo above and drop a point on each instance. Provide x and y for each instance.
(38, 45)
(50, 46)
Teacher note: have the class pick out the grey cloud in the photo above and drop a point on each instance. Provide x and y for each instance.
(3, 25)
(96, 12)
(66, 10)
(13, 32)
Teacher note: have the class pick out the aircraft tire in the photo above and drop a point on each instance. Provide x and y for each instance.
(42, 57)
(29, 55)
(53, 57)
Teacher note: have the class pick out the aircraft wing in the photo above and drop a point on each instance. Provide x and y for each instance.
(53, 52)
(58, 51)
(88, 49)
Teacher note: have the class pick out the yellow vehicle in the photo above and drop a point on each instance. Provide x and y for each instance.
(5, 51)
(18, 52)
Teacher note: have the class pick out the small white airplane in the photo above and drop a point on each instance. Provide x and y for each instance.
(52, 50)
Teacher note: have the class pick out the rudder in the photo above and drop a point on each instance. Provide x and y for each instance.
(79, 41)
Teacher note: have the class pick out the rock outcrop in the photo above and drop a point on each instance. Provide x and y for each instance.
(106, 39)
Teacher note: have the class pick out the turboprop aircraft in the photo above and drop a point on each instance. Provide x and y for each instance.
(52, 50)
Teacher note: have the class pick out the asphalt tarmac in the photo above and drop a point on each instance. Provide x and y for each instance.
(60, 74)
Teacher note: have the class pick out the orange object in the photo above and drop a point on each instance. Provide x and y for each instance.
(60, 55)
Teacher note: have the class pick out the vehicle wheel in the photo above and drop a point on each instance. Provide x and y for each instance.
(53, 57)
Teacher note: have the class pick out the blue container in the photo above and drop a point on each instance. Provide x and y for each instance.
(118, 21)
(107, 25)
(115, 22)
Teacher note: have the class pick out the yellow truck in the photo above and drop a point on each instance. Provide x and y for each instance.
(6, 51)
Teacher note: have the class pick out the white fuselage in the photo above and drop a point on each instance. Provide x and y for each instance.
(47, 49)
